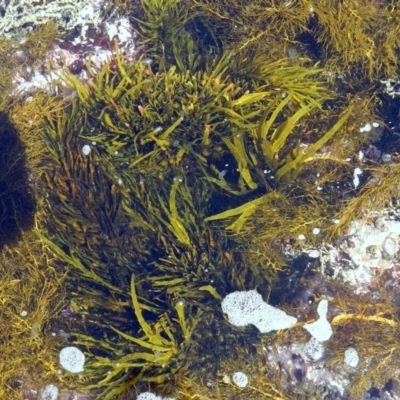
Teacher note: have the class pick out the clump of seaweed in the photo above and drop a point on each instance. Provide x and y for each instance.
(254, 27)
(262, 382)
(282, 218)
(116, 365)
(23, 56)
(26, 115)
(370, 325)
(133, 168)
(373, 331)
(128, 208)
(31, 293)
(269, 143)
(357, 39)
(379, 193)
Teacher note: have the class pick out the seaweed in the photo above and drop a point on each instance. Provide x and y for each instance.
(371, 327)
(32, 294)
(23, 56)
(268, 144)
(130, 173)
(116, 366)
(357, 39)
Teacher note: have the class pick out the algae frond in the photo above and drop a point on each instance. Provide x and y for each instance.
(116, 365)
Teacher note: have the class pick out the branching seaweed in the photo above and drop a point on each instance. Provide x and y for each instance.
(151, 358)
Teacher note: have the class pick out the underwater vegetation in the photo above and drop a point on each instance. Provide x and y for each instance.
(373, 328)
(350, 38)
(31, 293)
(24, 55)
(162, 185)
(32, 276)
(359, 321)
(130, 207)
(380, 193)
(156, 355)
(134, 165)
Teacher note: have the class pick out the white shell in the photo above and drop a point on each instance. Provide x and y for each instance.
(314, 254)
(86, 149)
(240, 379)
(351, 357)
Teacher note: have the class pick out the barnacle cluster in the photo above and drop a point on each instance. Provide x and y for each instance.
(161, 185)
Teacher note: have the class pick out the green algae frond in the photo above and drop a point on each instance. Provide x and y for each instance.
(150, 358)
